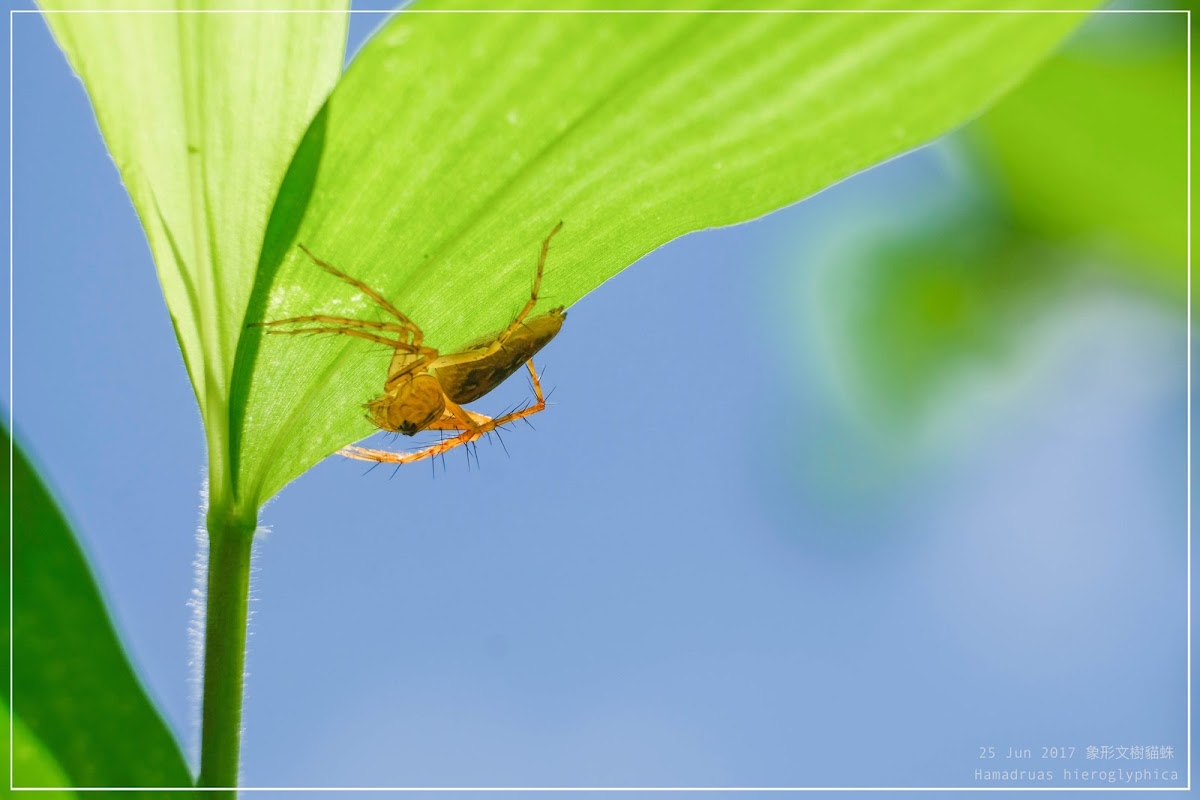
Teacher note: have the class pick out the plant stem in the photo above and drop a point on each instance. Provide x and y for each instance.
(224, 650)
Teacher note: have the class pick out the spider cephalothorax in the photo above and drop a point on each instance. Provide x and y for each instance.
(424, 388)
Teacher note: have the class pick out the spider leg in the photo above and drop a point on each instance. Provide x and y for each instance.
(368, 291)
(405, 362)
(371, 337)
(452, 421)
(496, 345)
(537, 287)
(480, 426)
(349, 322)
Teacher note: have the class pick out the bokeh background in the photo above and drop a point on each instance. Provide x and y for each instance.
(834, 498)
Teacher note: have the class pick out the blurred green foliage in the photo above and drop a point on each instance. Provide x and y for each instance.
(80, 710)
(1078, 176)
(936, 305)
(1092, 152)
(33, 765)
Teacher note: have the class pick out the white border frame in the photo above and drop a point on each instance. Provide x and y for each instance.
(1187, 787)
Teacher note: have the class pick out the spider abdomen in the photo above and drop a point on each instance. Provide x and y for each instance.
(471, 380)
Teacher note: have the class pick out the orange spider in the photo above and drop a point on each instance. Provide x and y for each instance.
(424, 389)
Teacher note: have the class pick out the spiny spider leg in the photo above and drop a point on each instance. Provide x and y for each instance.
(368, 291)
(347, 327)
(348, 321)
(371, 337)
(467, 436)
(518, 322)
(404, 363)
(451, 421)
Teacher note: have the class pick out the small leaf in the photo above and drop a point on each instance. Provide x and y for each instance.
(202, 114)
(455, 142)
(73, 687)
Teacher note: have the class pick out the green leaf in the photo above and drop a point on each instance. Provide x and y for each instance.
(1078, 173)
(916, 316)
(455, 142)
(202, 114)
(31, 760)
(1092, 152)
(73, 688)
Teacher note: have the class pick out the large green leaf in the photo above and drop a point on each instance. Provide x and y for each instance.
(83, 711)
(456, 141)
(202, 114)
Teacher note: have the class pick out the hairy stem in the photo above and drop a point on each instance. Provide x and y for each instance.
(224, 649)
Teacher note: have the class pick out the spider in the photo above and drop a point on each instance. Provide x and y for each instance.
(425, 390)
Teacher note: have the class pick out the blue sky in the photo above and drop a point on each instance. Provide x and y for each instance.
(682, 577)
